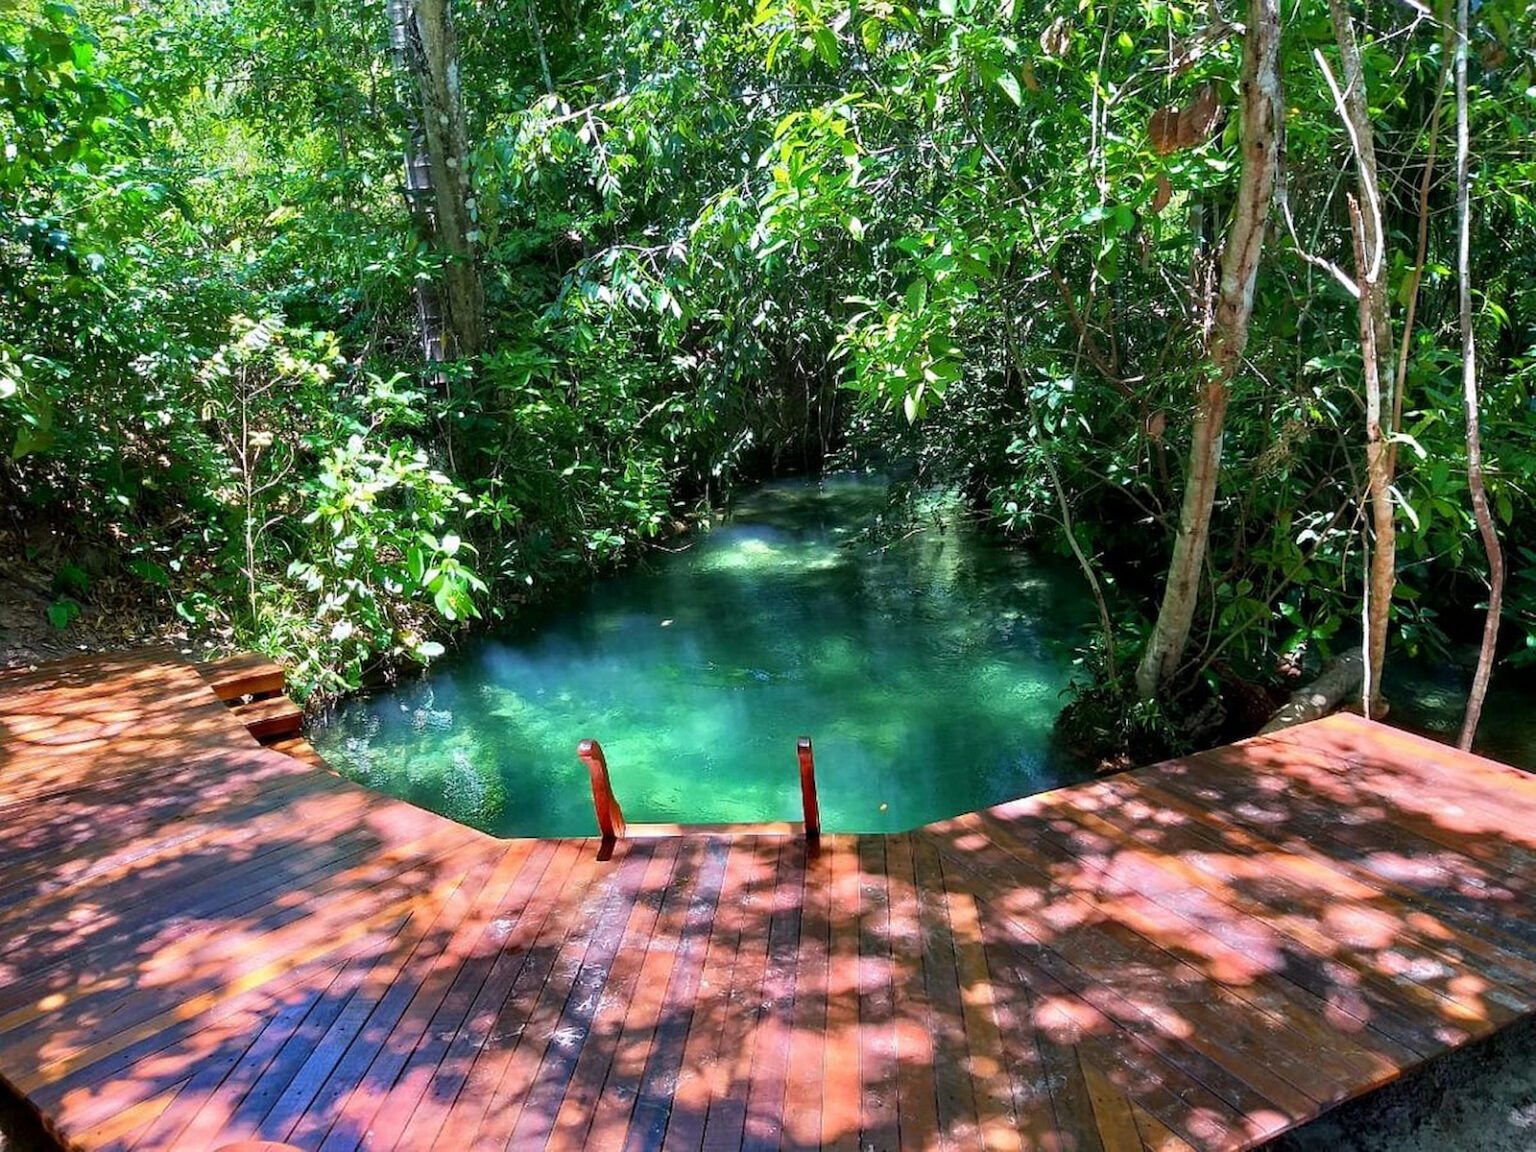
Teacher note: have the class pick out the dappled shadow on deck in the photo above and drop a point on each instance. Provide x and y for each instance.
(208, 942)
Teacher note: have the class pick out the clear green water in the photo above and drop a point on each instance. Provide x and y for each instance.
(1430, 697)
(928, 669)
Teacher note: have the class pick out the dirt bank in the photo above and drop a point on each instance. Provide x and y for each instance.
(1481, 1099)
(107, 614)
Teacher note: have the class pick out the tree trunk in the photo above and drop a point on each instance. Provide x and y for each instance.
(1335, 684)
(1375, 347)
(1475, 485)
(437, 178)
(1260, 114)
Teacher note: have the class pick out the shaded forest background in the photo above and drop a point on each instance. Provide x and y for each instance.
(337, 328)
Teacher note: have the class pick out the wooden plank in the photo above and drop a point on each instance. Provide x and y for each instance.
(1410, 756)
(501, 1022)
(337, 1115)
(270, 719)
(540, 884)
(703, 1051)
(243, 674)
(614, 1115)
(1477, 814)
(725, 1124)
(697, 831)
(301, 750)
(1317, 787)
(1255, 1058)
(594, 1049)
(162, 1064)
(1131, 982)
(388, 879)
(1168, 1080)
(1449, 897)
(68, 902)
(213, 1115)
(1240, 940)
(60, 891)
(1157, 1136)
(1351, 905)
(1113, 1115)
(303, 1114)
(253, 895)
(446, 979)
(999, 1127)
(877, 1014)
(279, 1093)
(1052, 1098)
(246, 1038)
(406, 1070)
(1164, 896)
(80, 830)
(768, 1074)
(138, 1015)
(841, 1073)
(530, 1094)
(916, 1029)
(803, 1087)
(955, 1091)
(663, 1062)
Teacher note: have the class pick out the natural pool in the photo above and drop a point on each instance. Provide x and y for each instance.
(927, 666)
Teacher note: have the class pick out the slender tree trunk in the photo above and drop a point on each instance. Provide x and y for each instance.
(437, 177)
(1106, 625)
(537, 29)
(1421, 254)
(1261, 108)
(1475, 485)
(1375, 346)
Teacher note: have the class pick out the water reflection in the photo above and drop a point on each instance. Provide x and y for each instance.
(927, 668)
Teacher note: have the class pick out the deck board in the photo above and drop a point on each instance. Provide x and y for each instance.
(210, 942)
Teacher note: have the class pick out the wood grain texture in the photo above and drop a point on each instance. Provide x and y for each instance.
(209, 943)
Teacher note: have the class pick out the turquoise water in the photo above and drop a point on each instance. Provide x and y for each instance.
(927, 664)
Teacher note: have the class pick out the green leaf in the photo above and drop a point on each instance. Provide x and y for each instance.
(150, 572)
(63, 612)
(1009, 83)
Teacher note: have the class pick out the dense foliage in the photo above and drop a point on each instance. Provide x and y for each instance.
(973, 242)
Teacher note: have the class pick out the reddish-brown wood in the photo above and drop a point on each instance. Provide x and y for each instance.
(612, 826)
(300, 749)
(610, 817)
(808, 799)
(244, 674)
(209, 943)
(274, 718)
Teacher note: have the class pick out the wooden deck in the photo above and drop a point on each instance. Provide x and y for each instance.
(208, 942)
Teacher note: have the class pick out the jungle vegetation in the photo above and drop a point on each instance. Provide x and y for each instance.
(344, 326)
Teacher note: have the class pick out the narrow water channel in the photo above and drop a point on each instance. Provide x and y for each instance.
(927, 665)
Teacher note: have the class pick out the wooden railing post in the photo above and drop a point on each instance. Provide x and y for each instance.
(610, 818)
(808, 794)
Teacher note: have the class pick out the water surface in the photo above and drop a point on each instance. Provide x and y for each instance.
(926, 663)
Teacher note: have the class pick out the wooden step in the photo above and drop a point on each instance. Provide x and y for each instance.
(244, 674)
(300, 749)
(271, 719)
